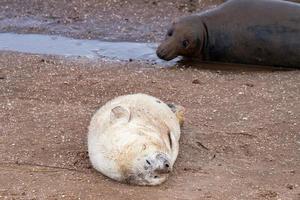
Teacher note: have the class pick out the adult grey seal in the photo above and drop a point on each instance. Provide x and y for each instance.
(134, 139)
(259, 32)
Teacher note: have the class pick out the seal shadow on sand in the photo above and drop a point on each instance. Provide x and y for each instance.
(226, 67)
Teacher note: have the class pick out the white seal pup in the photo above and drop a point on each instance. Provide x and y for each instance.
(135, 139)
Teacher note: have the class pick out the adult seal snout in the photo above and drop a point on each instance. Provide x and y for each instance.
(260, 32)
(134, 139)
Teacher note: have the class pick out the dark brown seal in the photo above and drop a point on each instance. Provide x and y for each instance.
(261, 32)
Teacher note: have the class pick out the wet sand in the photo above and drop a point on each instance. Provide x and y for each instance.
(241, 139)
(133, 20)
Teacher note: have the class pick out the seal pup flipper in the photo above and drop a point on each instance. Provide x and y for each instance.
(179, 112)
(118, 114)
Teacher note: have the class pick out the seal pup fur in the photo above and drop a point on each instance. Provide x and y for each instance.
(135, 139)
(259, 32)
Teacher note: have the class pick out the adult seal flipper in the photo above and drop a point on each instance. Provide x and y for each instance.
(259, 32)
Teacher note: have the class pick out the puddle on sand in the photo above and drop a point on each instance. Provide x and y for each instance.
(69, 47)
(94, 49)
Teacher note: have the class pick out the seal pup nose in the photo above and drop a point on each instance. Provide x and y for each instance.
(163, 164)
(164, 168)
(158, 163)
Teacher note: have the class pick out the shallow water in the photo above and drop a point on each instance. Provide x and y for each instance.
(69, 47)
(95, 49)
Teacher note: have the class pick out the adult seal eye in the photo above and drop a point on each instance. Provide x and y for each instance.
(185, 43)
(170, 33)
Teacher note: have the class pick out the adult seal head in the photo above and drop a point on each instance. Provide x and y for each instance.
(260, 32)
(134, 139)
(186, 37)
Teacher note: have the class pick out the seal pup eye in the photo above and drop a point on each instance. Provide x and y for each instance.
(185, 43)
(148, 162)
(170, 140)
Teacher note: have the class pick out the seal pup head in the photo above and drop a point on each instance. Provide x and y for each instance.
(184, 38)
(151, 168)
(143, 155)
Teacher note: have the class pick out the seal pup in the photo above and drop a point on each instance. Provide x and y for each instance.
(135, 139)
(259, 32)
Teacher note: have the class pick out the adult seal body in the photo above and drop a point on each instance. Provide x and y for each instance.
(134, 139)
(259, 32)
